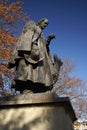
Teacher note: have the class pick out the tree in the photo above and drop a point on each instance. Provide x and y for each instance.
(67, 84)
(73, 87)
(10, 17)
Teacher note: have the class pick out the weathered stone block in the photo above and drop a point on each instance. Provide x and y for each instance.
(44, 111)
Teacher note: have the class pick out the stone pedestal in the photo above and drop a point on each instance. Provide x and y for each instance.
(44, 111)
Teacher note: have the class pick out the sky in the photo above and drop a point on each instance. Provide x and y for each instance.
(68, 21)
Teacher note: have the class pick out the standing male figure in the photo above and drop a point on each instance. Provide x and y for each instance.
(35, 70)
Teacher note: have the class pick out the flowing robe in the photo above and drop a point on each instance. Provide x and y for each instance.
(37, 69)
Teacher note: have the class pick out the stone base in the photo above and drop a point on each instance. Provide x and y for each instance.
(44, 111)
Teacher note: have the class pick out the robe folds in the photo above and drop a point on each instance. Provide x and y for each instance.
(30, 56)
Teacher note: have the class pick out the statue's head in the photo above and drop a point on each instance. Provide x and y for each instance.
(43, 23)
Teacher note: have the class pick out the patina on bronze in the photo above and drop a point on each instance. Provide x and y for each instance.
(35, 70)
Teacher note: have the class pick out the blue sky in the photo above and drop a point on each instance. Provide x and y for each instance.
(68, 21)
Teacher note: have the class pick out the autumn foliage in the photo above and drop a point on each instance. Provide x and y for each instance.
(10, 15)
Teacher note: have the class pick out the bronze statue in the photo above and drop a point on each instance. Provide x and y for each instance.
(35, 70)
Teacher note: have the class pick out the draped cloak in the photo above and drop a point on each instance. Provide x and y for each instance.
(37, 70)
